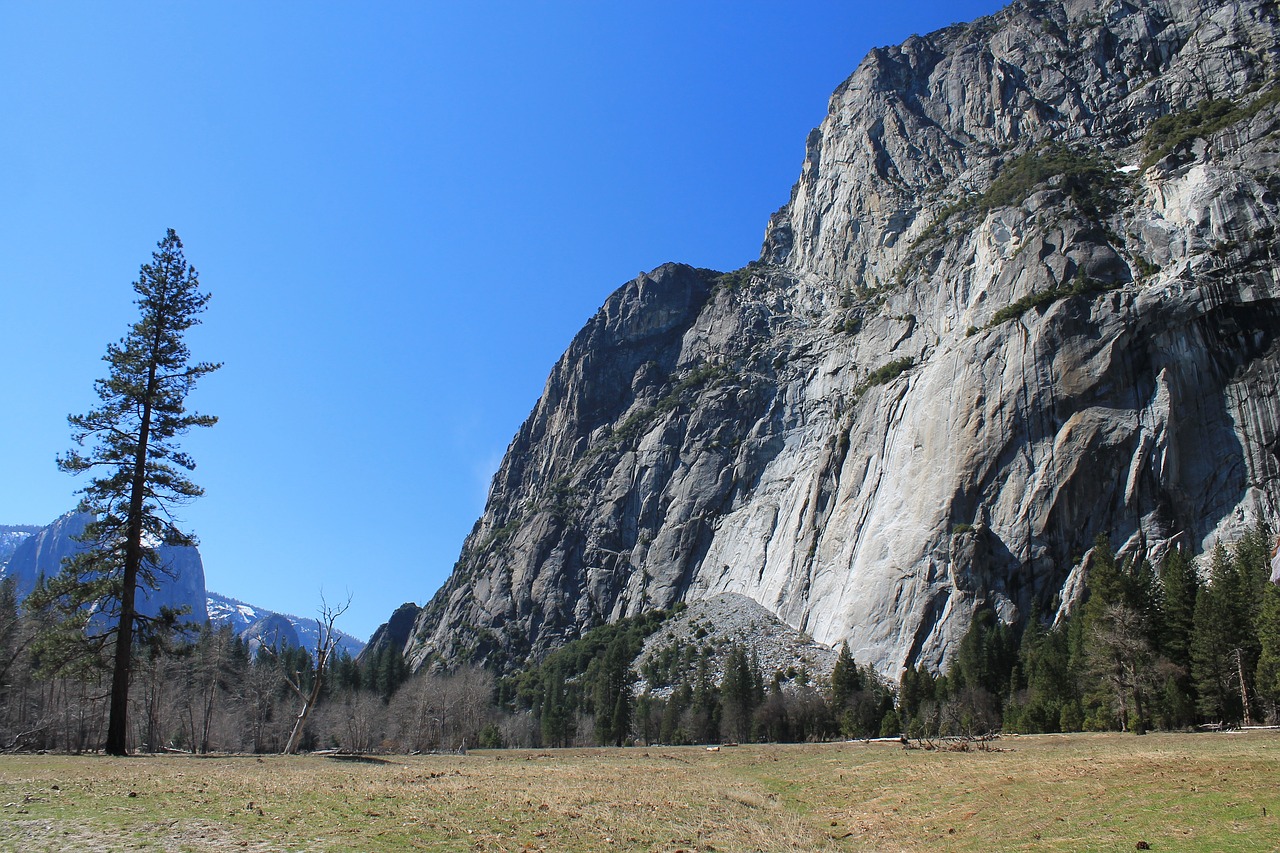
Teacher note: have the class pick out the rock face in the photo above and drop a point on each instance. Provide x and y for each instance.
(1004, 311)
(274, 631)
(395, 632)
(41, 555)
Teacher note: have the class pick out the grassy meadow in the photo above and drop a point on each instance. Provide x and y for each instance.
(1210, 792)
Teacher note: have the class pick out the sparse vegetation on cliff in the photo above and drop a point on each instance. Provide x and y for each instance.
(1083, 174)
(886, 373)
(1080, 286)
(1205, 118)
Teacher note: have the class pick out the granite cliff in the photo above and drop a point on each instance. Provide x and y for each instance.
(1024, 293)
(41, 553)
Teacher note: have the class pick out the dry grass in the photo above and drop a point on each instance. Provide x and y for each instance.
(1062, 793)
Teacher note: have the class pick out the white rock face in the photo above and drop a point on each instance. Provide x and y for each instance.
(859, 432)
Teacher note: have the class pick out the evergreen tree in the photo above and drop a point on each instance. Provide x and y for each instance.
(613, 698)
(983, 666)
(387, 671)
(917, 687)
(678, 702)
(1106, 582)
(138, 466)
(1218, 636)
(1046, 684)
(757, 680)
(738, 695)
(1252, 556)
(344, 672)
(1179, 586)
(704, 705)
(845, 680)
(1267, 680)
(555, 715)
(891, 724)
(11, 645)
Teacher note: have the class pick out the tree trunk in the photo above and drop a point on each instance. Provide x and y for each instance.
(118, 722)
(1244, 690)
(295, 738)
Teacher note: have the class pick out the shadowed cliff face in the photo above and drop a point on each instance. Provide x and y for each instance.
(1001, 314)
(181, 571)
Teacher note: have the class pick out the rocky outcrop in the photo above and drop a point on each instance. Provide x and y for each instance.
(180, 575)
(394, 633)
(273, 631)
(727, 621)
(1007, 308)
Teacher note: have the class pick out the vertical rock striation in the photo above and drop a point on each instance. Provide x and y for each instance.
(1007, 308)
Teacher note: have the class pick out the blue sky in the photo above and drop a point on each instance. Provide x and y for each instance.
(404, 211)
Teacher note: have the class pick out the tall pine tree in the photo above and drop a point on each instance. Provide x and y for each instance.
(1179, 586)
(131, 449)
(1267, 680)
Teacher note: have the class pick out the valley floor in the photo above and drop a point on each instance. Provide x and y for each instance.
(1099, 792)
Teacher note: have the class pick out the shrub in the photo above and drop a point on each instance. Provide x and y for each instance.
(1086, 177)
(1145, 268)
(1034, 299)
(886, 373)
(1081, 285)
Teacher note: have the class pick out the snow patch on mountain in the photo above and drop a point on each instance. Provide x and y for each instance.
(242, 617)
(12, 535)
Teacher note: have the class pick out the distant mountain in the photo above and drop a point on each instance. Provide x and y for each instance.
(40, 554)
(28, 552)
(250, 621)
(11, 535)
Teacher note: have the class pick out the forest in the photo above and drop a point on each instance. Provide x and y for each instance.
(1149, 647)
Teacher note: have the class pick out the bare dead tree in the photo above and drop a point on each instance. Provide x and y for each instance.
(1244, 684)
(326, 642)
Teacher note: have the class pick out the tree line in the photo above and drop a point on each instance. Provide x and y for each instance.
(208, 689)
(82, 668)
(1146, 648)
